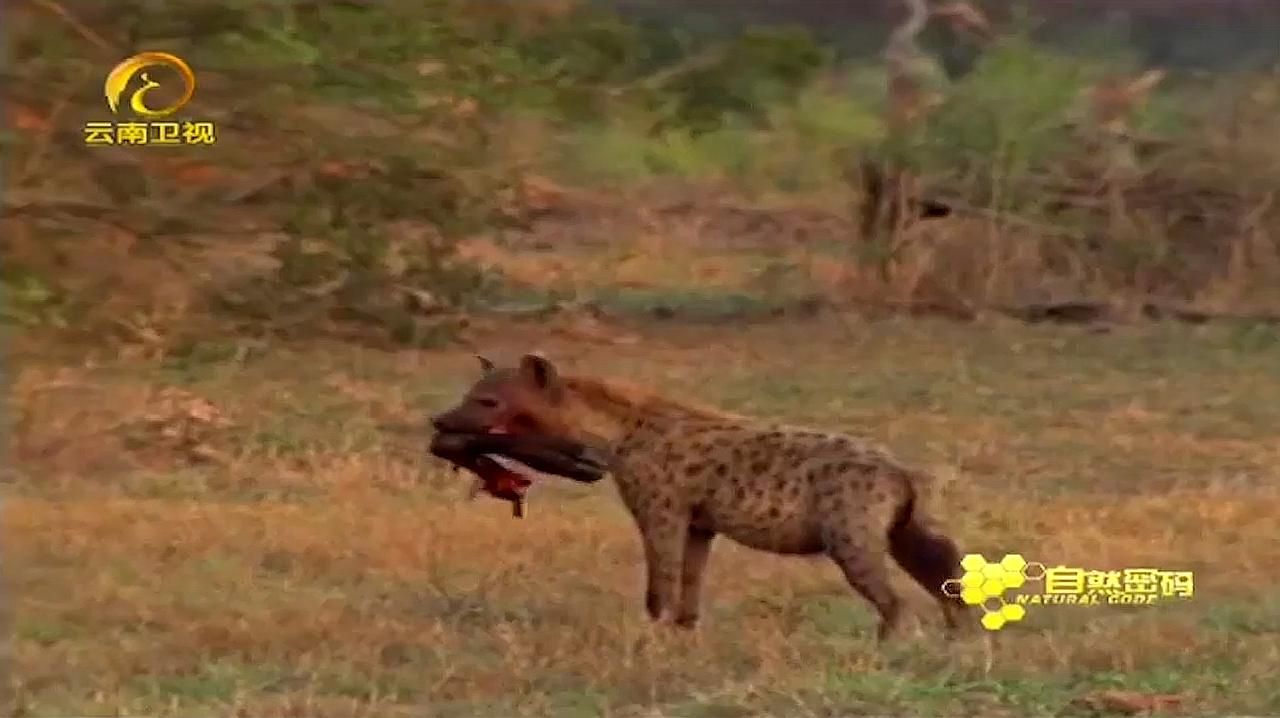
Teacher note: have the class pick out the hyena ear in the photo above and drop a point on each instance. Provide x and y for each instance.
(485, 365)
(541, 373)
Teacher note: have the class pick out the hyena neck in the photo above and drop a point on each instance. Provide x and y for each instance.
(618, 415)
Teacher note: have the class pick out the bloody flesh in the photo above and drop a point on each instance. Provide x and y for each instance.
(502, 483)
(559, 457)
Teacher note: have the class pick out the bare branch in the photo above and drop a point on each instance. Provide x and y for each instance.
(81, 29)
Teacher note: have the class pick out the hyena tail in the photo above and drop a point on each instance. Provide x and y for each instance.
(926, 554)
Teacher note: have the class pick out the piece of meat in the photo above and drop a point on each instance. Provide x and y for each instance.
(506, 463)
(549, 455)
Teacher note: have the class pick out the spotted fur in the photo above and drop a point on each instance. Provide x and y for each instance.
(688, 474)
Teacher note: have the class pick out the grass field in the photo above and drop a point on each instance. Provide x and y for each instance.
(199, 521)
(261, 533)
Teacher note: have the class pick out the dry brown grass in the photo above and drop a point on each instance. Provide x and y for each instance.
(260, 532)
(326, 567)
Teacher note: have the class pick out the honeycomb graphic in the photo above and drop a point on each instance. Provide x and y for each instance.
(984, 584)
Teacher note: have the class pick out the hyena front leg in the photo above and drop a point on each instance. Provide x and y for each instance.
(664, 540)
(697, 548)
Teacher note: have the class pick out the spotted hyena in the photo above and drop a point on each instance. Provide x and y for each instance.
(688, 473)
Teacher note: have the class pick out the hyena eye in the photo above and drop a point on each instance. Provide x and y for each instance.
(487, 402)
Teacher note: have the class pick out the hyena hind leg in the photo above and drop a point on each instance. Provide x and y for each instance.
(862, 559)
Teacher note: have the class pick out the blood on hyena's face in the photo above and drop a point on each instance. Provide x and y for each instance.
(517, 400)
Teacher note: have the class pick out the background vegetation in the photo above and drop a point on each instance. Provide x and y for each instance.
(218, 499)
(373, 153)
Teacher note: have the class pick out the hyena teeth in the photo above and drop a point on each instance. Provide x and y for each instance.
(516, 467)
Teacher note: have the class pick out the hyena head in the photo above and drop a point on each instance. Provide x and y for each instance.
(529, 398)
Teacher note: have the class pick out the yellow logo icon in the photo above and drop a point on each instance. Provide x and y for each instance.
(121, 74)
(984, 583)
